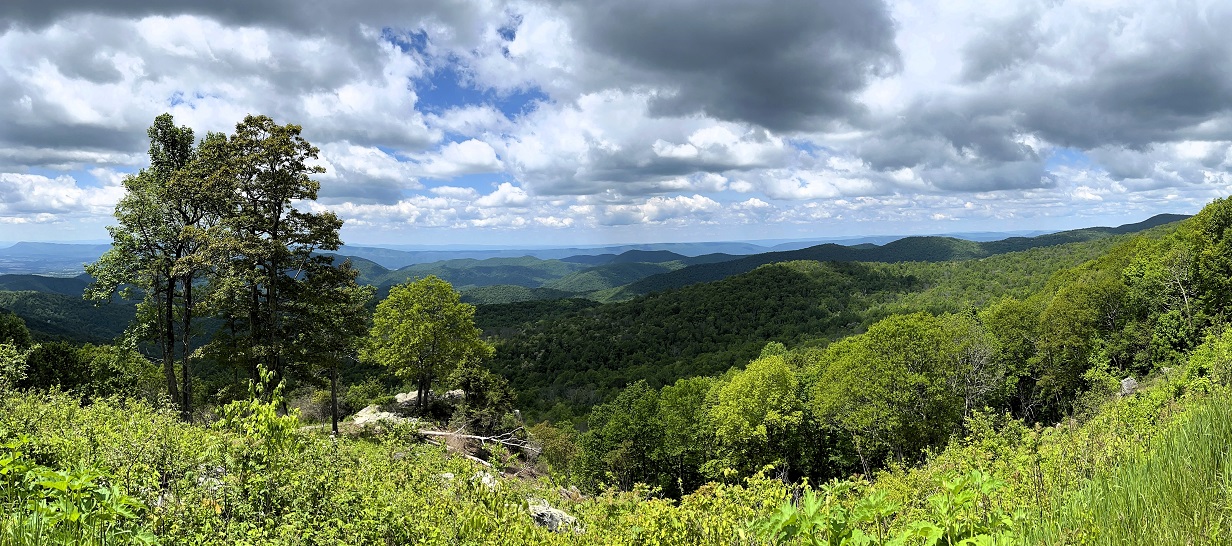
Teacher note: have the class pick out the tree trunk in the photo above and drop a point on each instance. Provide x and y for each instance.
(333, 396)
(186, 368)
(254, 333)
(167, 332)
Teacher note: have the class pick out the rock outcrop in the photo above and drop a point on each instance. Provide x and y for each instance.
(555, 519)
(373, 415)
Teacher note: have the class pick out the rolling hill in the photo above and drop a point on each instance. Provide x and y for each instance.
(907, 249)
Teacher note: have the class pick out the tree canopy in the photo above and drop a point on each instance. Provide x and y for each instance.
(422, 331)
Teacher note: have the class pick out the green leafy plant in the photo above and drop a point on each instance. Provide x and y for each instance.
(82, 505)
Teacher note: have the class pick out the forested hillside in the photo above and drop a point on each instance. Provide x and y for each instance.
(52, 316)
(1121, 348)
(581, 358)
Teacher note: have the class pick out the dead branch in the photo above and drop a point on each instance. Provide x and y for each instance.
(507, 439)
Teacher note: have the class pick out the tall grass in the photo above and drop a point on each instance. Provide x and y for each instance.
(1175, 493)
(36, 530)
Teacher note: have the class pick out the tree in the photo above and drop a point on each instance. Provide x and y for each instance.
(56, 364)
(890, 388)
(12, 365)
(222, 217)
(618, 448)
(758, 417)
(147, 243)
(557, 447)
(331, 320)
(488, 397)
(422, 331)
(14, 332)
(687, 440)
(265, 250)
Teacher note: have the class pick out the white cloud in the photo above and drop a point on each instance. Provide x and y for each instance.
(505, 195)
(1046, 109)
(45, 199)
(460, 158)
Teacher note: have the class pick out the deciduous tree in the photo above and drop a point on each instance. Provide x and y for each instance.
(422, 331)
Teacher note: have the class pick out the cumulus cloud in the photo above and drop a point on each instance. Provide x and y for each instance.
(787, 65)
(505, 195)
(542, 114)
(34, 198)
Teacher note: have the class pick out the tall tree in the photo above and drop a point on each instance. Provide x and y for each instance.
(265, 248)
(422, 331)
(332, 319)
(149, 242)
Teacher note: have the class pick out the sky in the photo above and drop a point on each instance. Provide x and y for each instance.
(541, 122)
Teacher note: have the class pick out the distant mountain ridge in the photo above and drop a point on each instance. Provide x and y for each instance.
(54, 307)
(907, 249)
(68, 259)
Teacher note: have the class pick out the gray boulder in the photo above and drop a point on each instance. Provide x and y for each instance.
(1129, 385)
(373, 415)
(555, 519)
(485, 479)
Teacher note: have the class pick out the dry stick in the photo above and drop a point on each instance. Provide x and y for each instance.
(506, 439)
(467, 455)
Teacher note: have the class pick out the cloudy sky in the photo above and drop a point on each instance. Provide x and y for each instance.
(600, 121)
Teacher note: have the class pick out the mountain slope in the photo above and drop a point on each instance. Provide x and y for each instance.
(908, 249)
(580, 358)
(68, 286)
(59, 316)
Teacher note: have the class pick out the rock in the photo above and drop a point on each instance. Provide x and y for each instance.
(210, 478)
(1166, 370)
(406, 398)
(555, 519)
(486, 479)
(447, 476)
(373, 414)
(1128, 386)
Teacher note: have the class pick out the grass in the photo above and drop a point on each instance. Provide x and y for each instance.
(1177, 492)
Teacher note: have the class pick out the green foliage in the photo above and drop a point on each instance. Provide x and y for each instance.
(1213, 358)
(90, 371)
(507, 293)
(57, 317)
(758, 418)
(688, 439)
(557, 448)
(56, 364)
(360, 395)
(583, 358)
(488, 399)
(506, 319)
(12, 366)
(890, 388)
(839, 515)
(423, 331)
(1175, 493)
(610, 276)
(255, 478)
(617, 449)
(13, 331)
(42, 505)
